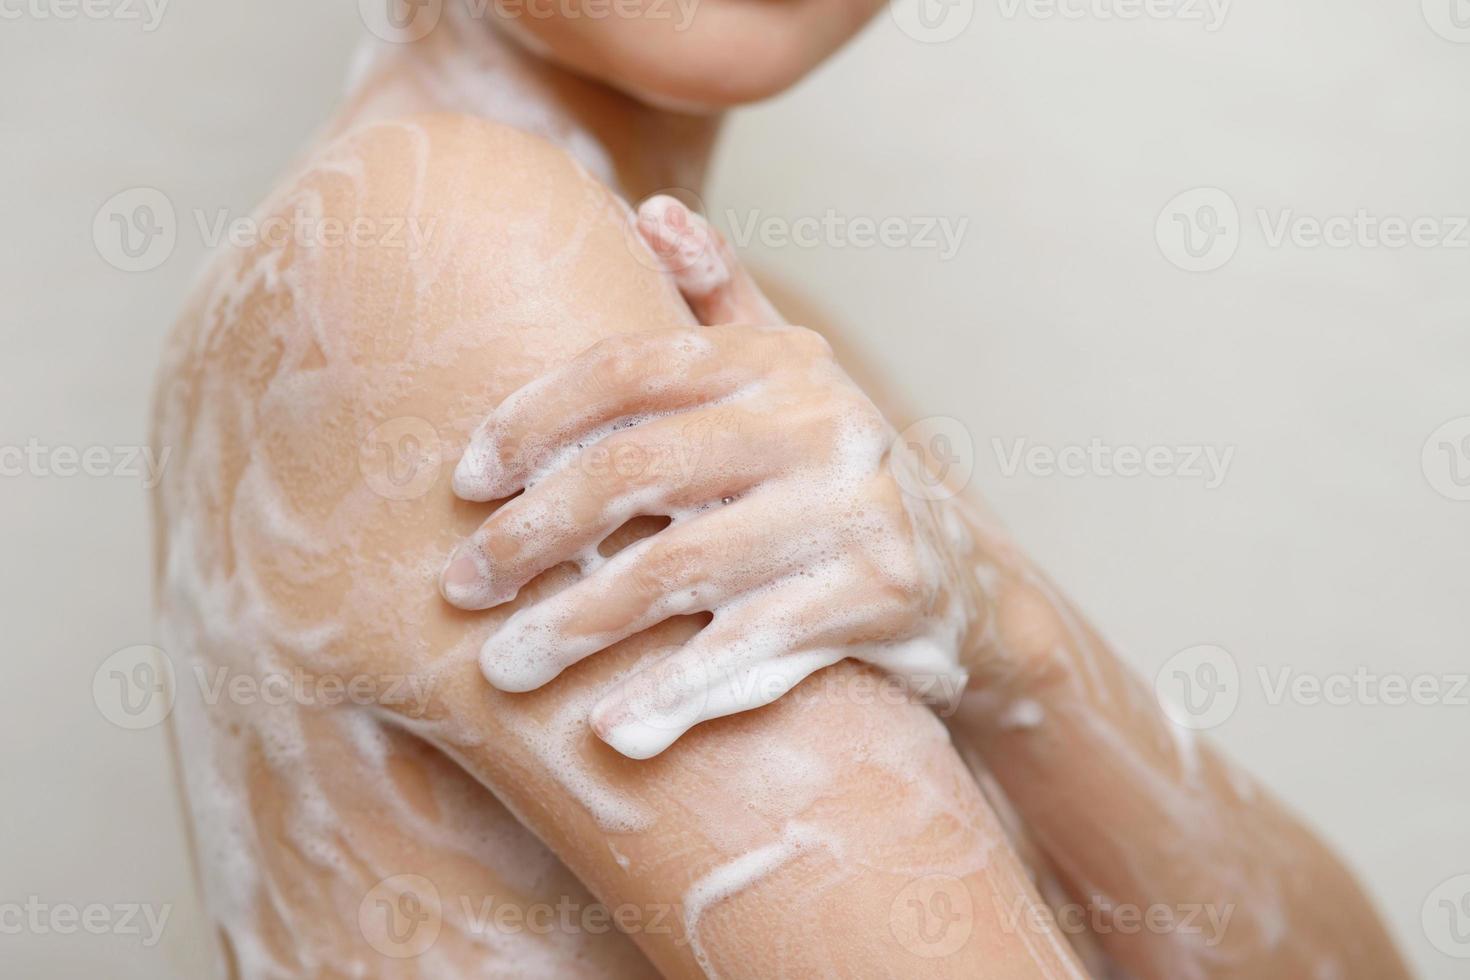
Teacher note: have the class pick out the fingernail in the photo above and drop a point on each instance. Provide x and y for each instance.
(464, 581)
(683, 242)
(606, 715)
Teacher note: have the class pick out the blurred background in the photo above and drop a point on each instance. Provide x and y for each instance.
(1231, 234)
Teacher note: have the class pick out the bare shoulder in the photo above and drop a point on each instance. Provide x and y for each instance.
(421, 225)
(320, 391)
(426, 230)
(324, 380)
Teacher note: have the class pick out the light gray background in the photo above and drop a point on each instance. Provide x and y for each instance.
(1059, 320)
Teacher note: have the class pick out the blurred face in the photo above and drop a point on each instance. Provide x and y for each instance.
(685, 54)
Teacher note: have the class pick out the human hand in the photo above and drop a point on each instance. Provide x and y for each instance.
(788, 522)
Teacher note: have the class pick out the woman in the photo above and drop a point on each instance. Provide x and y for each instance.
(317, 396)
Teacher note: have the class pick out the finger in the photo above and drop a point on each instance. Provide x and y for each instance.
(761, 646)
(662, 468)
(741, 661)
(691, 566)
(618, 382)
(617, 379)
(707, 271)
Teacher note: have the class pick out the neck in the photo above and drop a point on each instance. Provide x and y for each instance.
(470, 66)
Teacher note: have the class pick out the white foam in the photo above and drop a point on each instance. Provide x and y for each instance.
(1022, 714)
(735, 876)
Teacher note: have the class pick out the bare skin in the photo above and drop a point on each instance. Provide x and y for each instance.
(760, 847)
(1139, 818)
(317, 396)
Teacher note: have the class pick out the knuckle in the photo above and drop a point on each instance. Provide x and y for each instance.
(892, 550)
(611, 363)
(507, 444)
(618, 464)
(663, 568)
(624, 360)
(903, 584)
(1029, 625)
(886, 499)
(809, 344)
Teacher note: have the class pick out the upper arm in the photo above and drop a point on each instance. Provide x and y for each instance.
(434, 265)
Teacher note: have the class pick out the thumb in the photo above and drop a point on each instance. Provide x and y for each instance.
(709, 275)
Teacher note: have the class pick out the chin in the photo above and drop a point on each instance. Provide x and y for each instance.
(704, 55)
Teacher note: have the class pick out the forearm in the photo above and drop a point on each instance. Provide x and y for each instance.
(759, 845)
(1180, 862)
